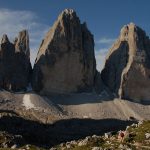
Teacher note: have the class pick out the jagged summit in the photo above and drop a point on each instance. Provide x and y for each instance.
(68, 11)
(131, 24)
(4, 39)
(22, 43)
(129, 30)
(67, 15)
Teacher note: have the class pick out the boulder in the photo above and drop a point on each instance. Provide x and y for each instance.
(15, 66)
(147, 135)
(127, 68)
(65, 61)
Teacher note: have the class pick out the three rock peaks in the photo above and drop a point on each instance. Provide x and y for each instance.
(66, 62)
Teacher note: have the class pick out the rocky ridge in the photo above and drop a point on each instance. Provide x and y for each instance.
(136, 136)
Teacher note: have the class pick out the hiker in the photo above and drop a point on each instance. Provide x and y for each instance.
(121, 135)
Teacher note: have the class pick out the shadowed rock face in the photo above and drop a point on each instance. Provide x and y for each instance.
(15, 67)
(127, 67)
(65, 62)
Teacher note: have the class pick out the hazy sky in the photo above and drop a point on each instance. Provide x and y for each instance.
(104, 18)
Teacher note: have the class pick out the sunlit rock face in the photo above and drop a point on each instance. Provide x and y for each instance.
(15, 67)
(127, 67)
(65, 61)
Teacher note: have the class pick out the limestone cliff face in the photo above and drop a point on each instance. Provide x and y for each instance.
(15, 67)
(127, 67)
(65, 61)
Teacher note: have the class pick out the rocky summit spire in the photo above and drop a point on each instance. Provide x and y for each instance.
(65, 62)
(22, 43)
(127, 67)
(15, 67)
(68, 12)
(4, 39)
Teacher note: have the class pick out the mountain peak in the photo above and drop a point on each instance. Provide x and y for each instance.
(131, 32)
(126, 71)
(15, 63)
(22, 43)
(4, 39)
(69, 45)
(68, 11)
(132, 24)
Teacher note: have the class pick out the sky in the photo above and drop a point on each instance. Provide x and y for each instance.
(104, 18)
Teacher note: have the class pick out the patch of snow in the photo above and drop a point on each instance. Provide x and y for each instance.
(27, 102)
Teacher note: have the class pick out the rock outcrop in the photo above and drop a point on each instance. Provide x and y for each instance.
(127, 67)
(65, 62)
(15, 67)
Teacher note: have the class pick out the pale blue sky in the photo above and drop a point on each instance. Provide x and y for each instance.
(104, 19)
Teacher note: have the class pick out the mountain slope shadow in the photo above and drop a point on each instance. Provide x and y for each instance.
(79, 98)
(86, 98)
(47, 135)
(114, 66)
